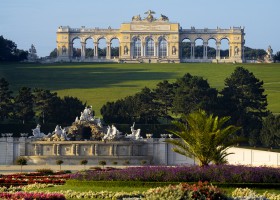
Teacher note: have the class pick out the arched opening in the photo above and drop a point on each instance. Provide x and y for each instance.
(198, 49)
(211, 49)
(102, 48)
(76, 50)
(136, 47)
(224, 51)
(150, 47)
(186, 48)
(115, 48)
(89, 48)
(162, 47)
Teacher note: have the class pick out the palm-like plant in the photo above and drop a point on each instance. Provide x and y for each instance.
(204, 137)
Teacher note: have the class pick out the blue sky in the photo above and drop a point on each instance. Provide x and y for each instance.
(35, 22)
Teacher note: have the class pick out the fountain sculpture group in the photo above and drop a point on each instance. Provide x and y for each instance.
(86, 119)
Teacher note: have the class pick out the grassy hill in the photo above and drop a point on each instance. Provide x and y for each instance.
(99, 82)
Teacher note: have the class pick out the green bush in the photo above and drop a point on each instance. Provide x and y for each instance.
(45, 171)
(102, 162)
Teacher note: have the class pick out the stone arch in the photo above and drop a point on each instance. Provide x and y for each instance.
(198, 48)
(224, 47)
(89, 47)
(102, 46)
(114, 47)
(186, 47)
(136, 47)
(162, 47)
(150, 47)
(76, 47)
(211, 48)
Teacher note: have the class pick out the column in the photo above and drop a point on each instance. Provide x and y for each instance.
(70, 50)
(96, 49)
(92, 149)
(58, 149)
(205, 45)
(143, 49)
(111, 153)
(96, 150)
(131, 50)
(54, 149)
(73, 149)
(156, 50)
(218, 50)
(108, 52)
(83, 50)
(36, 150)
(77, 150)
(192, 50)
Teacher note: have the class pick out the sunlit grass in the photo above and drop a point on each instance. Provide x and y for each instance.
(99, 83)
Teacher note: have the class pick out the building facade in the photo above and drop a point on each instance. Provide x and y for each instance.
(151, 39)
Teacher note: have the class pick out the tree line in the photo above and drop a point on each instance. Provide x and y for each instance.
(37, 105)
(242, 99)
(10, 52)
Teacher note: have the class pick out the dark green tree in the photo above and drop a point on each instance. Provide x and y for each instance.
(23, 105)
(244, 100)
(9, 51)
(115, 51)
(5, 99)
(250, 53)
(276, 57)
(270, 132)
(148, 111)
(53, 54)
(193, 93)
(45, 103)
(71, 108)
(164, 95)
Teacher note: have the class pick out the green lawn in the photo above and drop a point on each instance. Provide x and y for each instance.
(98, 83)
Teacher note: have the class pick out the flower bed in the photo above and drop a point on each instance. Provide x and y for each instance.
(30, 178)
(32, 195)
(213, 173)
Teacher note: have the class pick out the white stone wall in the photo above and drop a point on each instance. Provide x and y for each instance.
(153, 150)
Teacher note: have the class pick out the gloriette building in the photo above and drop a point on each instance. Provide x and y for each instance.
(152, 39)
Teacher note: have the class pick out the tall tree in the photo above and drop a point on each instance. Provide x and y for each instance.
(244, 100)
(44, 100)
(9, 51)
(193, 93)
(23, 105)
(5, 99)
(71, 108)
(270, 132)
(164, 95)
(204, 137)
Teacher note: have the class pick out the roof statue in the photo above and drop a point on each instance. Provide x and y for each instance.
(150, 16)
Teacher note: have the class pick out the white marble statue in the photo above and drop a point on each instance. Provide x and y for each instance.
(112, 133)
(135, 134)
(86, 115)
(37, 133)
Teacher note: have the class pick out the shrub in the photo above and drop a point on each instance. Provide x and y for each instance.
(21, 161)
(102, 162)
(115, 163)
(59, 162)
(84, 162)
(45, 171)
(126, 162)
(143, 162)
